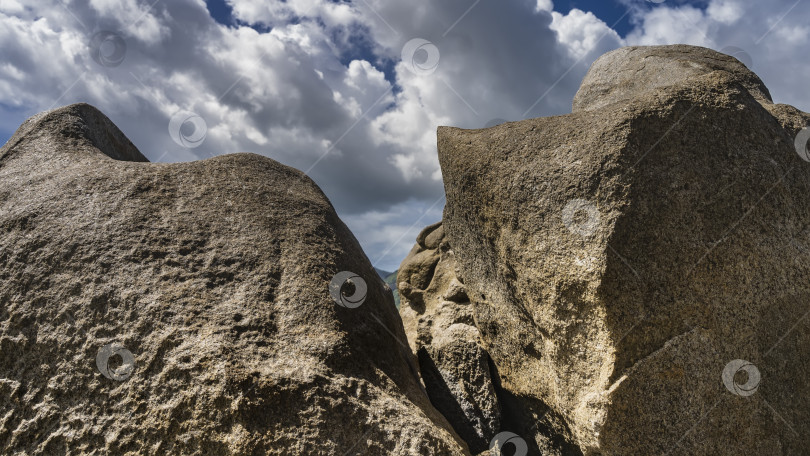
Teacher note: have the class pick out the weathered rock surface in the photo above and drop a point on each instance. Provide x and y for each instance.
(620, 258)
(631, 72)
(439, 324)
(215, 276)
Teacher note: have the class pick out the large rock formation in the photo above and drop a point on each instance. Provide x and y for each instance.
(638, 266)
(186, 309)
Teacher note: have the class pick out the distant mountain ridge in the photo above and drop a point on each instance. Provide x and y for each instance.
(391, 279)
(382, 272)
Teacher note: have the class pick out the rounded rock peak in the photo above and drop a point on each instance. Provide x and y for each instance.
(78, 126)
(630, 72)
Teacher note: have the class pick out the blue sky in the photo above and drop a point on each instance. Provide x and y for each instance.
(220, 11)
(346, 91)
(611, 12)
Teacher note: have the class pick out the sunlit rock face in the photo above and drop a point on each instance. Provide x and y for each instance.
(187, 309)
(639, 267)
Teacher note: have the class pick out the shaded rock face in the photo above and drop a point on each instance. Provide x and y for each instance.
(439, 324)
(640, 266)
(459, 376)
(186, 309)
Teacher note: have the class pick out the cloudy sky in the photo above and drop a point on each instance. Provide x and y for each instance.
(352, 92)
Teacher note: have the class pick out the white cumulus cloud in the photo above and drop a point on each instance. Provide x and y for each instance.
(320, 85)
